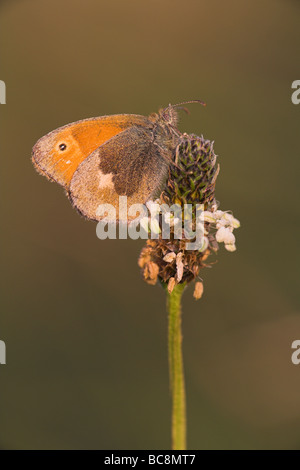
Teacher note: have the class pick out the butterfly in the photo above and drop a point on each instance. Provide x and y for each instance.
(97, 160)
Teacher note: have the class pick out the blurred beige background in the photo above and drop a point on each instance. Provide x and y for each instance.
(85, 336)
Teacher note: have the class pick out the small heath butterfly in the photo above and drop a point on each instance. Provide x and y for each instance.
(99, 159)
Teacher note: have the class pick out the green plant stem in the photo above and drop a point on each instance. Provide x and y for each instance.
(176, 369)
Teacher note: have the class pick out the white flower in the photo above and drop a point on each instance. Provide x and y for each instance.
(230, 247)
(231, 220)
(154, 226)
(224, 234)
(170, 219)
(219, 214)
(144, 222)
(208, 217)
(236, 223)
(168, 216)
(153, 207)
(221, 223)
(205, 243)
(227, 217)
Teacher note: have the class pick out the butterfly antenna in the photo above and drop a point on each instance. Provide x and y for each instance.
(189, 102)
(185, 109)
(185, 102)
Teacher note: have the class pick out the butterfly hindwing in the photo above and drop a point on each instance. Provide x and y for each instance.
(129, 164)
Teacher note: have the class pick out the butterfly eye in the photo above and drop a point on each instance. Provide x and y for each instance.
(62, 147)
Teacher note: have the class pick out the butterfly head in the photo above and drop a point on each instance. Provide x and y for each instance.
(168, 117)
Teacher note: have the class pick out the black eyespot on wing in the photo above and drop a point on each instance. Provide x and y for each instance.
(62, 147)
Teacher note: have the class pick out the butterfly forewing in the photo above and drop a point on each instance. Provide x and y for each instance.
(59, 153)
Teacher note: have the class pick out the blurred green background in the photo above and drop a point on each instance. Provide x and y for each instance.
(85, 336)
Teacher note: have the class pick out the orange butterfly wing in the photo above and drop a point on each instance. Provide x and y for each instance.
(58, 154)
